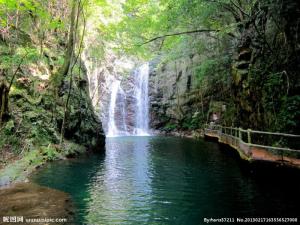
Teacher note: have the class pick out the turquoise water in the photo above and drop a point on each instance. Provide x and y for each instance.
(168, 181)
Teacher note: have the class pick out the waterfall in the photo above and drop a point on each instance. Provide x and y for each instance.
(112, 129)
(129, 116)
(142, 100)
(123, 111)
(117, 98)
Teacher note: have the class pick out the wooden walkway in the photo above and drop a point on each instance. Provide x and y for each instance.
(249, 145)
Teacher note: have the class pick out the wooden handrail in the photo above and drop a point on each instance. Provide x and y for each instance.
(237, 134)
(257, 131)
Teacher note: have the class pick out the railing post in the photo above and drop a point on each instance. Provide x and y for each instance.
(249, 136)
(240, 134)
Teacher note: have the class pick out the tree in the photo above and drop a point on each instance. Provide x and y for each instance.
(4, 89)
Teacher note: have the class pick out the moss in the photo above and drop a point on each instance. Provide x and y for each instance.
(9, 142)
(170, 127)
(21, 93)
(17, 171)
(9, 127)
(34, 158)
(31, 133)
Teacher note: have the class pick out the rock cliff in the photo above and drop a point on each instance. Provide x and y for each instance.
(174, 93)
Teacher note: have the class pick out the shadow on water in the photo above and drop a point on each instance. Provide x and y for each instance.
(278, 184)
(167, 180)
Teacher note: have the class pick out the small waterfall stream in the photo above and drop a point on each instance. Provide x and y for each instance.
(112, 129)
(119, 123)
(142, 100)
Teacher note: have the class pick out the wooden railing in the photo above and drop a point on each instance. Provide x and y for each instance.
(246, 140)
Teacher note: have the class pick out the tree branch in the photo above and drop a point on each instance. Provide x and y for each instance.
(79, 11)
(16, 71)
(180, 33)
(239, 8)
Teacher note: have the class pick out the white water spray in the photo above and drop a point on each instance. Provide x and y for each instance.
(118, 106)
(142, 101)
(112, 128)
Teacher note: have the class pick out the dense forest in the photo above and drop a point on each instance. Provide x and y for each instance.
(118, 77)
(46, 112)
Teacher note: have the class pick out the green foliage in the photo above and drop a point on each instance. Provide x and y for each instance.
(142, 20)
(194, 122)
(9, 141)
(170, 126)
(9, 127)
(207, 68)
(281, 110)
(20, 93)
(289, 114)
(36, 8)
(32, 45)
(49, 153)
(229, 116)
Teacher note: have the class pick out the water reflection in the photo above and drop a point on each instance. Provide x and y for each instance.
(122, 189)
(169, 181)
(73, 177)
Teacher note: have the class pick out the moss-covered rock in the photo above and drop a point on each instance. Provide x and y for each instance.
(31, 133)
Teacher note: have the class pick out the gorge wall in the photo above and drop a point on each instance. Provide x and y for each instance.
(175, 97)
(176, 101)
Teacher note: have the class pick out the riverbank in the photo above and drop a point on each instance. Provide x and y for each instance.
(18, 170)
(199, 133)
(30, 202)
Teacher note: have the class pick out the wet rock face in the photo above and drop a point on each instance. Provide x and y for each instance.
(125, 102)
(259, 56)
(173, 91)
(82, 124)
(32, 201)
(101, 76)
(129, 101)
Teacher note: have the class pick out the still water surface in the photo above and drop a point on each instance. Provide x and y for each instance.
(168, 181)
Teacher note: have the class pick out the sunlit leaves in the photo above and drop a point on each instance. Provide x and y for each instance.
(141, 20)
(7, 62)
(56, 23)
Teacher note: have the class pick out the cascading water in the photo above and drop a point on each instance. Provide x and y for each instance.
(123, 111)
(142, 100)
(136, 122)
(112, 128)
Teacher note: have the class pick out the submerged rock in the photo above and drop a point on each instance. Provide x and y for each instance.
(30, 202)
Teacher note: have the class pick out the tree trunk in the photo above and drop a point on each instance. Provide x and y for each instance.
(70, 45)
(75, 26)
(4, 90)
